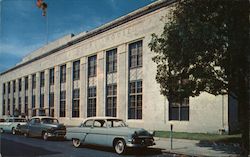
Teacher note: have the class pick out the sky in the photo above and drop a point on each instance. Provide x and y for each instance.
(23, 28)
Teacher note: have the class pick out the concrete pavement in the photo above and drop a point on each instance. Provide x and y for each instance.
(197, 148)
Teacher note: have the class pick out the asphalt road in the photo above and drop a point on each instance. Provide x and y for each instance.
(17, 145)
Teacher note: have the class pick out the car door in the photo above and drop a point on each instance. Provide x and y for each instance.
(85, 130)
(34, 127)
(98, 133)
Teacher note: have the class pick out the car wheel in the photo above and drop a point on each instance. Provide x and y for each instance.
(120, 146)
(13, 131)
(1, 130)
(76, 143)
(45, 136)
(26, 134)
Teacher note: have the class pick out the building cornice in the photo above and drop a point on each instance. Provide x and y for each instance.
(115, 23)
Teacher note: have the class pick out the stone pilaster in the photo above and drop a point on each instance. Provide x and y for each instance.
(100, 99)
(122, 82)
(46, 92)
(83, 87)
(69, 90)
(38, 93)
(30, 96)
(11, 97)
(23, 95)
(57, 92)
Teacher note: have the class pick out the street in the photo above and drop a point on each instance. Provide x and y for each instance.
(17, 145)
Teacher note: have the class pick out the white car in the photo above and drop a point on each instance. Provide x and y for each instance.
(9, 124)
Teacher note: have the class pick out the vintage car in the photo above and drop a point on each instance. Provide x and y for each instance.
(111, 132)
(10, 124)
(43, 126)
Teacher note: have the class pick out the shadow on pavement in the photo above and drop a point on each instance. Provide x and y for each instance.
(22, 149)
(130, 151)
(230, 146)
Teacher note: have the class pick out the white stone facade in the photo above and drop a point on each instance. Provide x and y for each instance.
(207, 113)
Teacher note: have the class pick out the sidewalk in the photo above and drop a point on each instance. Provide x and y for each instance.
(197, 148)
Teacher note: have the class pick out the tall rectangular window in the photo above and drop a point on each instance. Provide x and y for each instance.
(51, 76)
(19, 104)
(76, 70)
(14, 104)
(14, 86)
(26, 81)
(20, 84)
(26, 105)
(33, 101)
(62, 103)
(92, 66)
(33, 105)
(33, 81)
(51, 99)
(3, 106)
(41, 100)
(135, 100)
(111, 100)
(135, 54)
(91, 108)
(8, 87)
(76, 102)
(42, 79)
(179, 110)
(111, 61)
(63, 74)
(3, 88)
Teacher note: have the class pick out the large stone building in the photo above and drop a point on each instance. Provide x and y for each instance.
(109, 72)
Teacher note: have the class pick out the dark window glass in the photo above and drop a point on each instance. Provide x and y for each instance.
(8, 87)
(63, 74)
(92, 66)
(41, 100)
(14, 86)
(34, 81)
(179, 110)
(33, 101)
(51, 99)
(111, 100)
(19, 103)
(4, 108)
(42, 79)
(26, 105)
(111, 61)
(91, 108)
(51, 76)
(62, 103)
(4, 88)
(20, 84)
(76, 102)
(26, 80)
(135, 54)
(76, 70)
(135, 100)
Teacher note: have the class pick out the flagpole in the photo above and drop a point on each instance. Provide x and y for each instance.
(47, 27)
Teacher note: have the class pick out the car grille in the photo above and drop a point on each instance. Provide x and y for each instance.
(143, 141)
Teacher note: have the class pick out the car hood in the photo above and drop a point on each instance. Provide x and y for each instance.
(130, 131)
(54, 125)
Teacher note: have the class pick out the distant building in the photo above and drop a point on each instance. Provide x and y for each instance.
(109, 72)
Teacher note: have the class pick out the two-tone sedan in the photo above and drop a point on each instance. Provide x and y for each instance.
(111, 132)
(43, 126)
(10, 124)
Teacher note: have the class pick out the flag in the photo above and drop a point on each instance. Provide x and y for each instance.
(42, 5)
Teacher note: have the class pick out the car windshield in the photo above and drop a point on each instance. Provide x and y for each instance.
(116, 123)
(49, 120)
(20, 120)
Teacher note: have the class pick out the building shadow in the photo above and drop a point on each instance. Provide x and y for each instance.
(229, 146)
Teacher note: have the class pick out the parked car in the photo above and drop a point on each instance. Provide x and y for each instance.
(109, 131)
(43, 126)
(10, 124)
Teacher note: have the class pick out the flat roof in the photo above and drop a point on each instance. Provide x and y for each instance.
(115, 23)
